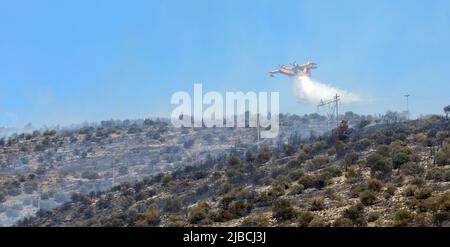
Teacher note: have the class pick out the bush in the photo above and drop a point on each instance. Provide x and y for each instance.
(198, 212)
(422, 193)
(410, 190)
(317, 204)
(375, 185)
(332, 171)
(304, 218)
(362, 144)
(403, 218)
(256, 221)
(240, 208)
(233, 160)
(296, 174)
(150, 218)
(172, 205)
(282, 210)
(398, 159)
(411, 169)
(367, 198)
(353, 175)
(380, 167)
(443, 157)
(307, 181)
(297, 189)
(343, 222)
(317, 222)
(373, 216)
(390, 191)
(356, 189)
(439, 174)
(317, 162)
(356, 214)
(350, 159)
(264, 155)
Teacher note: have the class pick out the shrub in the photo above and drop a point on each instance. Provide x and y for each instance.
(422, 193)
(198, 212)
(282, 210)
(399, 159)
(367, 198)
(304, 218)
(317, 162)
(350, 159)
(317, 222)
(256, 221)
(380, 166)
(443, 157)
(296, 174)
(403, 217)
(373, 216)
(390, 191)
(167, 177)
(172, 205)
(409, 191)
(150, 218)
(411, 169)
(352, 175)
(317, 204)
(233, 160)
(439, 174)
(240, 208)
(343, 222)
(362, 144)
(356, 189)
(297, 189)
(375, 185)
(307, 181)
(264, 155)
(356, 214)
(333, 171)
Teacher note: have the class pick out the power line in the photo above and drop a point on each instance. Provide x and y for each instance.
(333, 108)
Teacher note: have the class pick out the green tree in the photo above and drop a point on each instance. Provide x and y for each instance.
(447, 111)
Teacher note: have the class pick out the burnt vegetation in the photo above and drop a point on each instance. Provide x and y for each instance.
(365, 172)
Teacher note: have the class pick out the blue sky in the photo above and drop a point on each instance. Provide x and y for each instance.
(64, 62)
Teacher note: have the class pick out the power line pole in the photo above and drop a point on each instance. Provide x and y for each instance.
(407, 105)
(333, 108)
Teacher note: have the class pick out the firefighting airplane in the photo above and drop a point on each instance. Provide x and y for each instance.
(295, 69)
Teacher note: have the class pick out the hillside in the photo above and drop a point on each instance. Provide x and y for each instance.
(40, 169)
(392, 174)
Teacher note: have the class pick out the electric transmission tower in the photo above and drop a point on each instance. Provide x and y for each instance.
(407, 105)
(333, 109)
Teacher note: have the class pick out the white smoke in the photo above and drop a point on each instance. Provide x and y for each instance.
(310, 91)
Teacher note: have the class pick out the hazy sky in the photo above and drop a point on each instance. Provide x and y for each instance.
(74, 61)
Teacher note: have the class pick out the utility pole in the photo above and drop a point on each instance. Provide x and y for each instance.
(333, 108)
(407, 105)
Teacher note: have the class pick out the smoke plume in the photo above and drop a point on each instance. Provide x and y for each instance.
(310, 91)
